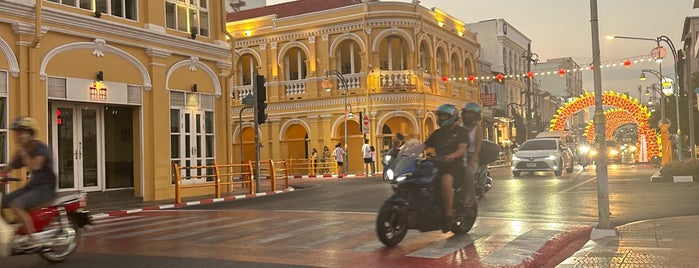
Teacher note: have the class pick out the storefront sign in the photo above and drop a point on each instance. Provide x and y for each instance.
(489, 99)
(98, 91)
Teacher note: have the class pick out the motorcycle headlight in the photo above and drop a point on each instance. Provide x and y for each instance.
(401, 178)
(584, 149)
(389, 174)
(551, 157)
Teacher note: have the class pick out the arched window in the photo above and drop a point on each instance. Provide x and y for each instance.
(424, 57)
(455, 67)
(394, 53)
(348, 59)
(442, 64)
(247, 66)
(468, 64)
(295, 64)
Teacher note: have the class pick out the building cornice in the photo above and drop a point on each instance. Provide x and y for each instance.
(84, 26)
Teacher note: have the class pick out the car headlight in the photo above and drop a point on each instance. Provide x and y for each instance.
(515, 158)
(551, 157)
(593, 152)
(613, 152)
(632, 148)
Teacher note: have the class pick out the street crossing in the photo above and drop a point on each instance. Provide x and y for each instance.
(314, 238)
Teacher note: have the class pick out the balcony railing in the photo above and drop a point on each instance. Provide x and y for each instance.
(354, 81)
(242, 91)
(397, 81)
(295, 87)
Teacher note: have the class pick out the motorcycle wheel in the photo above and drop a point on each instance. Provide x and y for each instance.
(390, 227)
(465, 219)
(60, 253)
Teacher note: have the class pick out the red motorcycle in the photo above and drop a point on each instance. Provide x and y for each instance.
(58, 228)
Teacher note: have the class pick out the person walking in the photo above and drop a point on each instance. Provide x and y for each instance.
(339, 155)
(324, 158)
(366, 154)
(373, 160)
(314, 160)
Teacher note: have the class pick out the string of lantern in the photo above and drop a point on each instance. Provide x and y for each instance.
(626, 63)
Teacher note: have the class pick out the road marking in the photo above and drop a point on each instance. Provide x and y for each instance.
(569, 189)
(155, 230)
(258, 228)
(114, 230)
(521, 248)
(208, 229)
(449, 246)
(333, 238)
(288, 234)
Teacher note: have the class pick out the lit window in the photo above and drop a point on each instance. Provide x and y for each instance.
(188, 16)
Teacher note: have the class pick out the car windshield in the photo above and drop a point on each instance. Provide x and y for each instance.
(538, 145)
(610, 143)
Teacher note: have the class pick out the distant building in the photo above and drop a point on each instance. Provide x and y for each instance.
(564, 86)
(505, 48)
(399, 60)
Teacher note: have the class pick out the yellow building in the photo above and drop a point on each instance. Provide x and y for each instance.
(121, 88)
(399, 60)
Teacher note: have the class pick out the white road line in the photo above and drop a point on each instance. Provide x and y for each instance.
(521, 248)
(377, 245)
(209, 229)
(446, 247)
(178, 226)
(333, 238)
(114, 230)
(117, 223)
(569, 189)
(115, 219)
(271, 225)
(288, 234)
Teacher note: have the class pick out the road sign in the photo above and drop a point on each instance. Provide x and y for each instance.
(365, 124)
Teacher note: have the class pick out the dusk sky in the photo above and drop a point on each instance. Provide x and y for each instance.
(561, 28)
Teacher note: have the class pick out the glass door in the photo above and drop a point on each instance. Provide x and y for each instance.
(192, 144)
(77, 140)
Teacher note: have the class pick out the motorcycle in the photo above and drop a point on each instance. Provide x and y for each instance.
(58, 228)
(483, 181)
(416, 201)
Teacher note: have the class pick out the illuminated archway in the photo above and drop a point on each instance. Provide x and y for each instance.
(613, 119)
(639, 112)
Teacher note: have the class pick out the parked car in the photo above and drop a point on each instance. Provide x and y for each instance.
(543, 155)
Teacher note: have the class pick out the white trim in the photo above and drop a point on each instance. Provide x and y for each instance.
(98, 44)
(10, 57)
(393, 31)
(340, 120)
(382, 120)
(239, 53)
(282, 51)
(353, 36)
(194, 62)
(290, 123)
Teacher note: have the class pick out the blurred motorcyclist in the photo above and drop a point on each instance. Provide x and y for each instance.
(471, 118)
(450, 142)
(36, 157)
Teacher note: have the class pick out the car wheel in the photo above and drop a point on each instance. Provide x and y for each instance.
(516, 173)
(559, 172)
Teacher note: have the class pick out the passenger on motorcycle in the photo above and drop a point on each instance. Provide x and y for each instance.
(36, 157)
(450, 142)
(471, 118)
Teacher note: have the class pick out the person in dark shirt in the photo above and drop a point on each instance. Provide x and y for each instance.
(36, 157)
(450, 142)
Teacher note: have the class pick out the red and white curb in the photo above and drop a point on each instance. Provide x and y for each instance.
(186, 204)
(325, 176)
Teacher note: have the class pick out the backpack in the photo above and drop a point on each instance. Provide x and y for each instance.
(490, 152)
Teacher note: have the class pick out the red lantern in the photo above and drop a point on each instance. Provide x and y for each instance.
(471, 78)
(499, 77)
(592, 67)
(444, 78)
(561, 72)
(530, 75)
(627, 63)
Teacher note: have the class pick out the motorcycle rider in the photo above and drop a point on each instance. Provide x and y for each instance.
(450, 142)
(41, 186)
(471, 119)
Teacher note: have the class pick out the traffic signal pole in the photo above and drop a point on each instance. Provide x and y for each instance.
(259, 94)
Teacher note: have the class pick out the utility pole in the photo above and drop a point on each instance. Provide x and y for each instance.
(601, 167)
(528, 102)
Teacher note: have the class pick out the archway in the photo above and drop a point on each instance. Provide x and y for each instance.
(354, 143)
(649, 144)
(295, 142)
(613, 119)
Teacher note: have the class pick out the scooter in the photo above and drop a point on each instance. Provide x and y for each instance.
(483, 181)
(58, 228)
(416, 199)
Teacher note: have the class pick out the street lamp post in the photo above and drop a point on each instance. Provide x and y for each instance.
(344, 88)
(660, 82)
(678, 93)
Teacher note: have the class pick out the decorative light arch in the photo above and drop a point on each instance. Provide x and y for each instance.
(613, 119)
(639, 112)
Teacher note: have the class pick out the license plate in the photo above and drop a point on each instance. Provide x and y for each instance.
(531, 164)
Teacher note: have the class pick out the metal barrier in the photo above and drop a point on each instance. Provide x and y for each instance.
(230, 174)
(278, 171)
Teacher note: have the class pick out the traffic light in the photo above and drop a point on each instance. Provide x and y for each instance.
(261, 96)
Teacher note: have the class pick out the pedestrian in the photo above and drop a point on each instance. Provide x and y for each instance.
(366, 154)
(324, 158)
(314, 159)
(339, 155)
(373, 160)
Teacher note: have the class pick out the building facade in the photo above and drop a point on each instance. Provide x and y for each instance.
(398, 61)
(505, 48)
(564, 86)
(121, 89)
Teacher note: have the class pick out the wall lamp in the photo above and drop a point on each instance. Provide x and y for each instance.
(100, 76)
(98, 14)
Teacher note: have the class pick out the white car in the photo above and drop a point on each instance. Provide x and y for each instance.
(542, 155)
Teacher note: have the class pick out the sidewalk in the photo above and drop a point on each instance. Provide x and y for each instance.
(665, 242)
